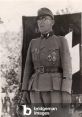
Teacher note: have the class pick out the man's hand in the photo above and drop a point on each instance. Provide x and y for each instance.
(66, 99)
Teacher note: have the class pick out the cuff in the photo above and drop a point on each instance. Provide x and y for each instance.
(66, 85)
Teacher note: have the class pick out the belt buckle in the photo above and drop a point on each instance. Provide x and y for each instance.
(41, 69)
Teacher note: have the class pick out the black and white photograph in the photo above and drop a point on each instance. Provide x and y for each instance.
(40, 58)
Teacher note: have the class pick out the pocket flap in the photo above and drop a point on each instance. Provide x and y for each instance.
(56, 81)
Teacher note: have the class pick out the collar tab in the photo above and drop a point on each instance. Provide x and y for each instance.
(47, 35)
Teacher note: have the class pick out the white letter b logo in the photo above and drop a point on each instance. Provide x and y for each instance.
(26, 110)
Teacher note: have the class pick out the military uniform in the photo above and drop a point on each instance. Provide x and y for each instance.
(53, 54)
(48, 71)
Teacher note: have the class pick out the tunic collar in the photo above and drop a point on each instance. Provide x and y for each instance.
(47, 35)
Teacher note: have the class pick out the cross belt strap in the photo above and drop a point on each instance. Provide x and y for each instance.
(48, 69)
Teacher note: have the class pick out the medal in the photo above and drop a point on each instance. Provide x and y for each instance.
(49, 57)
(36, 51)
(54, 56)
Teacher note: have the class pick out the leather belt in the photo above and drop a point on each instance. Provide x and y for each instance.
(48, 69)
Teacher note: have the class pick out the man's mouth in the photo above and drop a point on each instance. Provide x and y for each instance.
(41, 26)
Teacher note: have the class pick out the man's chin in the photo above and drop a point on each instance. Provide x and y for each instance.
(43, 32)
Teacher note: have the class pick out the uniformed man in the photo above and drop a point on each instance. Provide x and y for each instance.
(48, 72)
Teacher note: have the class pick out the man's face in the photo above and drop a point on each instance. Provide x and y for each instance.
(45, 24)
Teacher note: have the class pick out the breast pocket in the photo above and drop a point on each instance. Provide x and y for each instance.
(35, 53)
(53, 55)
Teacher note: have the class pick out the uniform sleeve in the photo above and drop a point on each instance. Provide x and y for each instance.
(66, 65)
(28, 69)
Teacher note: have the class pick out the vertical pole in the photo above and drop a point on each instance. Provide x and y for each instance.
(81, 55)
(81, 47)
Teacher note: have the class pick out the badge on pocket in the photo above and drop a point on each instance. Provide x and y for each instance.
(52, 56)
(35, 53)
(36, 50)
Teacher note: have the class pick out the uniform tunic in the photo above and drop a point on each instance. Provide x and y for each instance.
(50, 52)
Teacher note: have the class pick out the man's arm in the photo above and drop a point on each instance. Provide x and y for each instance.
(66, 65)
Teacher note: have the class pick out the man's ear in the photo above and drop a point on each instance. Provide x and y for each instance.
(53, 22)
